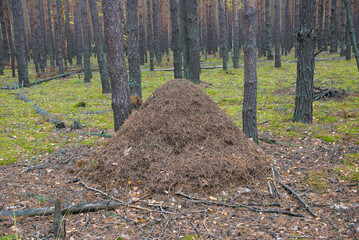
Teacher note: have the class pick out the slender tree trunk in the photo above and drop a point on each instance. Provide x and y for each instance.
(69, 33)
(320, 23)
(5, 45)
(348, 43)
(142, 42)
(86, 42)
(59, 36)
(149, 35)
(99, 47)
(78, 32)
(277, 61)
(342, 29)
(19, 35)
(33, 42)
(1, 55)
(9, 34)
(132, 49)
(351, 31)
(40, 34)
(249, 112)
(50, 38)
(223, 32)
(259, 30)
(176, 47)
(156, 30)
(326, 27)
(116, 61)
(303, 111)
(235, 35)
(333, 27)
(269, 30)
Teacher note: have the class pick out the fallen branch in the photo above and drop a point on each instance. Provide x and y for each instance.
(51, 78)
(72, 209)
(299, 198)
(106, 135)
(233, 204)
(273, 141)
(320, 93)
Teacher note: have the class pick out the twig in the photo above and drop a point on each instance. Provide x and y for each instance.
(99, 191)
(299, 198)
(269, 188)
(276, 192)
(35, 167)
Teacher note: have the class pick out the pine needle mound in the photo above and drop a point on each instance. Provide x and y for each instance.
(179, 139)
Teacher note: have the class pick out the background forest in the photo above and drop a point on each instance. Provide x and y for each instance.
(72, 71)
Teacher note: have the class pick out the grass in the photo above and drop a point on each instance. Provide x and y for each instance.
(26, 135)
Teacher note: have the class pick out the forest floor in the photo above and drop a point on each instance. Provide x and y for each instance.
(319, 161)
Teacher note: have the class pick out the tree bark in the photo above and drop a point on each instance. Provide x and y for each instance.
(320, 23)
(223, 32)
(132, 48)
(116, 61)
(303, 111)
(235, 57)
(5, 45)
(269, 30)
(69, 33)
(156, 30)
(20, 42)
(149, 35)
(99, 47)
(277, 60)
(49, 34)
(352, 31)
(86, 42)
(142, 41)
(78, 32)
(176, 47)
(9, 34)
(333, 27)
(59, 36)
(249, 112)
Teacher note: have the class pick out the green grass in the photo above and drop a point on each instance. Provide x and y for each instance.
(25, 134)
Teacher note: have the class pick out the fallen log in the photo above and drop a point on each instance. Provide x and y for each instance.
(72, 209)
(40, 81)
(57, 122)
(106, 135)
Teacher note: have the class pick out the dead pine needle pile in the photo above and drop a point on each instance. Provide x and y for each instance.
(178, 139)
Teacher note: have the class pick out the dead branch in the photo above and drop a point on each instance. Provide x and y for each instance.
(101, 192)
(105, 135)
(51, 78)
(72, 209)
(299, 198)
(233, 204)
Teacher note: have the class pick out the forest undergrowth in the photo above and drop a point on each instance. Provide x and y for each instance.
(320, 159)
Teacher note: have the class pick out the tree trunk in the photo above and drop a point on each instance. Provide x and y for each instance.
(99, 47)
(277, 61)
(86, 42)
(20, 42)
(50, 37)
(320, 23)
(39, 33)
(69, 33)
(348, 43)
(259, 30)
(269, 30)
(223, 32)
(112, 13)
(5, 45)
(235, 35)
(142, 41)
(190, 40)
(176, 38)
(342, 29)
(351, 31)
(132, 48)
(33, 40)
(249, 112)
(149, 35)
(9, 34)
(156, 30)
(326, 27)
(1, 55)
(333, 27)
(303, 111)
(78, 32)
(59, 36)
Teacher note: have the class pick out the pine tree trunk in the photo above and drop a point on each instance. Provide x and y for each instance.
(9, 34)
(259, 30)
(5, 45)
(86, 42)
(352, 32)
(20, 42)
(99, 47)
(49, 35)
(326, 27)
(59, 36)
(39, 33)
(235, 36)
(320, 23)
(112, 13)
(33, 42)
(348, 44)
(277, 61)
(156, 30)
(69, 33)
(78, 32)
(176, 47)
(269, 30)
(249, 112)
(132, 49)
(1, 55)
(342, 29)
(333, 27)
(149, 35)
(223, 32)
(142, 42)
(303, 111)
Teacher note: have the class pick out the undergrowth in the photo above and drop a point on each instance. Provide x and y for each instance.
(26, 135)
